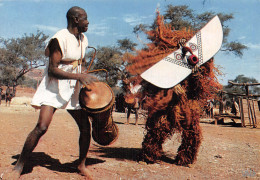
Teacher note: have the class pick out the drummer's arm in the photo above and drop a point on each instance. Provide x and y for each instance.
(55, 56)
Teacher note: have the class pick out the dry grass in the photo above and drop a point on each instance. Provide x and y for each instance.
(21, 100)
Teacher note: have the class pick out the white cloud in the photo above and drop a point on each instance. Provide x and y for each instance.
(98, 29)
(240, 1)
(253, 46)
(108, 19)
(48, 0)
(134, 19)
(112, 18)
(36, 0)
(158, 6)
(242, 37)
(48, 28)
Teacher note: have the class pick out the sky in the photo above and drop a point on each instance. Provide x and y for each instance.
(111, 20)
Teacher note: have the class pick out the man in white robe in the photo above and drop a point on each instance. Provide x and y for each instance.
(60, 87)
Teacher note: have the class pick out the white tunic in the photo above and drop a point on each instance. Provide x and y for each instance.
(62, 93)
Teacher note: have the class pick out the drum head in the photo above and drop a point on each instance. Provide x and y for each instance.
(98, 97)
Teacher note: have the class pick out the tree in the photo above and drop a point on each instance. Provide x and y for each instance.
(184, 17)
(126, 45)
(110, 59)
(18, 56)
(253, 90)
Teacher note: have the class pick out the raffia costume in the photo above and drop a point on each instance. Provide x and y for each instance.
(176, 109)
(62, 93)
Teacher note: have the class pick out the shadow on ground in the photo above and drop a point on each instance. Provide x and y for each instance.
(45, 160)
(121, 154)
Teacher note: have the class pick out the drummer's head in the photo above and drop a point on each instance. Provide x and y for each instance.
(77, 17)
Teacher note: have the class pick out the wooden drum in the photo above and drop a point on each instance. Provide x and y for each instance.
(98, 102)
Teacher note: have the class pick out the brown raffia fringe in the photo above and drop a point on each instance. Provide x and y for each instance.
(176, 109)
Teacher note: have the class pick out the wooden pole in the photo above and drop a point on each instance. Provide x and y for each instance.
(236, 94)
(247, 90)
(241, 112)
(250, 103)
(221, 104)
(243, 84)
(249, 112)
(254, 116)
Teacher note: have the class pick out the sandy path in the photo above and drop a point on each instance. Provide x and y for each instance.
(226, 152)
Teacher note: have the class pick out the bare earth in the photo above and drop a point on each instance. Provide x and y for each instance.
(227, 152)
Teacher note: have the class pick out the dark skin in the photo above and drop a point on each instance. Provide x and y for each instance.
(76, 26)
(56, 55)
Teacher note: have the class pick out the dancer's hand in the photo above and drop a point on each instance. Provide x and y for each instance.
(195, 69)
(181, 42)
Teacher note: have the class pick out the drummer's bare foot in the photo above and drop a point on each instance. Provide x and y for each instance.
(11, 174)
(85, 172)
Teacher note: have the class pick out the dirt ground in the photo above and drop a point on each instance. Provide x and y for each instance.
(227, 152)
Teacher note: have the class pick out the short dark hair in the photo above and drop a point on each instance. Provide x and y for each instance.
(73, 12)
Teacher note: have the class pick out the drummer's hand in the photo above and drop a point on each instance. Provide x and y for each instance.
(87, 79)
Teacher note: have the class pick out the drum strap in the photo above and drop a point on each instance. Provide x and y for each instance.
(74, 62)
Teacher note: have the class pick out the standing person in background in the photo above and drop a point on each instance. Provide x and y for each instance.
(135, 108)
(1, 93)
(234, 107)
(60, 88)
(8, 95)
(132, 99)
(210, 108)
